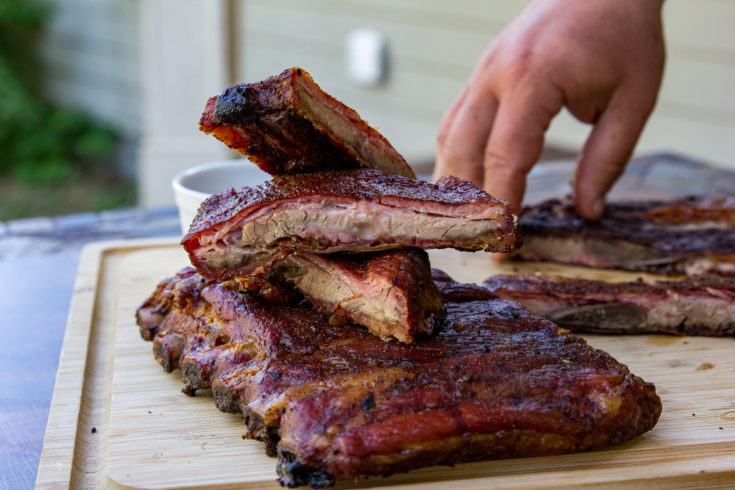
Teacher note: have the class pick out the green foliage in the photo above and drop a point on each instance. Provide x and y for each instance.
(54, 144)
(40, 143)
(88, 193)
(21, 22)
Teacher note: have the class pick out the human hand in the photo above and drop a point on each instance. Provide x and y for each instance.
(603, 60)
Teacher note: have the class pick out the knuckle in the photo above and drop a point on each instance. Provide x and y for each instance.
(442, 138)
(450, 162)
(495, 158)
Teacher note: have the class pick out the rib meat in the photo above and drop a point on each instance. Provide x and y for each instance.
(389, 292)
(689, 235)
(236, 234)
(337, 403)
(697, 305)
(286, 124)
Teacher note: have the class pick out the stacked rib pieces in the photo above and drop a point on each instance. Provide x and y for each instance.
(301, 282)
(339, 187)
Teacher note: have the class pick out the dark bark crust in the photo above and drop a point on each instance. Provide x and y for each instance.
(667, 237)
(337, 403)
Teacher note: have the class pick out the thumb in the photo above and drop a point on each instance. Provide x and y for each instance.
(604, 157)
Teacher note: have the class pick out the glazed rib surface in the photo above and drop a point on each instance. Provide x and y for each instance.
(336, 402)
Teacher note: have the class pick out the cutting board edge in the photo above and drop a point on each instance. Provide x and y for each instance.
(66, 418)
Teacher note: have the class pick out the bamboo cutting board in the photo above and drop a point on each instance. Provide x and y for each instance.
(117, 420)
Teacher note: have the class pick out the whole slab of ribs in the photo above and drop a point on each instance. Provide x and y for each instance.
(697, 305)
(336, 402)
(690, 235)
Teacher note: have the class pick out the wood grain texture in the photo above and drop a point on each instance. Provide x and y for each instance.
(55, 467)
(148, 434)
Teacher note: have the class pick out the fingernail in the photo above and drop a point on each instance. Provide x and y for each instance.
(598, 207)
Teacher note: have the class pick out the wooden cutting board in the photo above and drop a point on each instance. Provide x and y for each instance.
(117, 420)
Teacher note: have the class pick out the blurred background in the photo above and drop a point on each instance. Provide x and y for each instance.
(100, 99)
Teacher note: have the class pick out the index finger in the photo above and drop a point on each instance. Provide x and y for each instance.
(516, 141)
(464, 132)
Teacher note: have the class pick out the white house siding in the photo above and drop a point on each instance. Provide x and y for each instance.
(91, 61)
(98, 51)
(435, 44)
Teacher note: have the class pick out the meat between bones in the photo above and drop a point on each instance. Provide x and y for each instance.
(390, 292)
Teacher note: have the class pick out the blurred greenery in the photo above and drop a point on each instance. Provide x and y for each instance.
(43, 145)
(19, 199)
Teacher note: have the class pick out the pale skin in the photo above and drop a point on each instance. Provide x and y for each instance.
(603, 60)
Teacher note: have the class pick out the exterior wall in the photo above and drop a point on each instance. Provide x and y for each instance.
(148, 66)
(91, 60)
(184, 60)
(434, 45)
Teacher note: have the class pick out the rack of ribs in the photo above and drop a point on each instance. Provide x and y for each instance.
(697, 305)
(238, 233)
(689, 235)
(287, 124)
(334, 402)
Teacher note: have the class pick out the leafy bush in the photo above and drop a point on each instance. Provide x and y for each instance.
(40, 143)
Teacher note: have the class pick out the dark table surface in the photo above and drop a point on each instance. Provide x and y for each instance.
(38, 266)
(39, 259)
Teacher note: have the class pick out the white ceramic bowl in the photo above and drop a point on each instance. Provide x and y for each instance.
(194, 185)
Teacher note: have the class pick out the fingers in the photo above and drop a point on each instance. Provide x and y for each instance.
(464, 133)
(492, 144)
(516, 141)
(605, 155)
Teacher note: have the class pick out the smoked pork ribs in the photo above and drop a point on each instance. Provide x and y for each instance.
(287, 124)
(237, 233)
(339, 187)
(390, 292)
(289, 232)
(690, 235)
(697, 305)
(335, 402)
